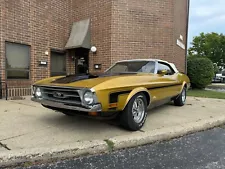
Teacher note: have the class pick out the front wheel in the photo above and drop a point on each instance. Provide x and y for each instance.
(181, 98)
(134, 115)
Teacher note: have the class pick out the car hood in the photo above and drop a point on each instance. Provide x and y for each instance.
(82, 81)
(105, 81)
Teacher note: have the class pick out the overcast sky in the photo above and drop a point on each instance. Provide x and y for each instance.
(206, 16)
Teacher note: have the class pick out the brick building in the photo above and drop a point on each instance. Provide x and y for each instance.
(42, 38)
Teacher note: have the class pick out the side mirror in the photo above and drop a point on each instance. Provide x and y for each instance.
(162, 72)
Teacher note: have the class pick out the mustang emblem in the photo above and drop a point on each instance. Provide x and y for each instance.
(58, 95)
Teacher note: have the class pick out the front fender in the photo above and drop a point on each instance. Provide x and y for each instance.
(185, 84)
(134, 92)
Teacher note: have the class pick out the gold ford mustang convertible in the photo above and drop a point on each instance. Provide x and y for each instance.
(126, 90)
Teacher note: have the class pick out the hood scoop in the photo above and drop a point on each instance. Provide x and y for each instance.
(74, 78)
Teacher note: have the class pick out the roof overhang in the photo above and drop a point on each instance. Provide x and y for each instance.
(80, 36)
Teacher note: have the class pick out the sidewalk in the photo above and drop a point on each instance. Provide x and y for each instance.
(27, 127)
(217, 87)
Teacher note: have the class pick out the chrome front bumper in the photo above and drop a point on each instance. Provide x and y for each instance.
(94, 108)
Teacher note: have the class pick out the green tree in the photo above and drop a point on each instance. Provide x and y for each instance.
(210, 45)
(216, 68)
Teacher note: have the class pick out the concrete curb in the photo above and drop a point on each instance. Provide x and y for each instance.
(77, 149)
(137, 139)
(13, 158)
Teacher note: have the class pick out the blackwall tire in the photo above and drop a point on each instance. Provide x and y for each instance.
(134, 115)
(180, 100)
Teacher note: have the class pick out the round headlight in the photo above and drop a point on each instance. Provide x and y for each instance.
(88, 97)
(38, 92)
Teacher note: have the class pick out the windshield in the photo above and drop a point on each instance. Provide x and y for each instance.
(133, 67)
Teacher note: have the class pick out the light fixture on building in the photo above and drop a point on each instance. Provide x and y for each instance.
(46, 53)
(93, 49)
(97, 66)
(181, 37)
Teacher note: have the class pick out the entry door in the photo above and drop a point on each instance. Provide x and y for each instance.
(81, 61)
(58, 63)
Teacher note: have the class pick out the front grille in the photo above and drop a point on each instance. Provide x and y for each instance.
(63, 95)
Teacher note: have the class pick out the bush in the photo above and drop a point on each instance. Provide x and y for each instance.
(200, 72)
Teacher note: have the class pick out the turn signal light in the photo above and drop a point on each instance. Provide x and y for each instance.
(112, 105)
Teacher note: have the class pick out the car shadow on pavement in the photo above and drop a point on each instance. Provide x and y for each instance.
(77, 122)
(160, 108)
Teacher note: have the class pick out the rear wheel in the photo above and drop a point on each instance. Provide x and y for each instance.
(134, 115)
(181, 98)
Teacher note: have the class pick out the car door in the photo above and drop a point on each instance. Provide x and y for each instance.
(169, 85)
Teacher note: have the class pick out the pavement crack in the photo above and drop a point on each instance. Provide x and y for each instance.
(11, 137)
(8, 138)
(4, 146)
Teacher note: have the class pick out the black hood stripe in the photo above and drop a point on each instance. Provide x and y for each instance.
(74, 78)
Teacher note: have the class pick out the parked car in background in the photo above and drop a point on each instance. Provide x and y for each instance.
(218, 78)
(223, 76)
(126, 90)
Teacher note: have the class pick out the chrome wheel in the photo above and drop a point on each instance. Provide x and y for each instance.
(183, 95)
(138, 109)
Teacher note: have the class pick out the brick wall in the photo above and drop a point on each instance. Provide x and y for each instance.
(120, 29)
(148, 29)
(100, 14)
(180, 26)
(1, 40)
(42, 24)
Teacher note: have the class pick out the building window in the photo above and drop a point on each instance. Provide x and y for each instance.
(17, 61)
(58, 64)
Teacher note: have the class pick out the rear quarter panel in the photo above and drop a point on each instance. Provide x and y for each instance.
(124, 88)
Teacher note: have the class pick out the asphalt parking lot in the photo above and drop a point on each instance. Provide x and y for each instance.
(25, 124)
(201, 150)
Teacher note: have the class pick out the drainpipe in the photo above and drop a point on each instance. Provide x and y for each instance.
(186, 51)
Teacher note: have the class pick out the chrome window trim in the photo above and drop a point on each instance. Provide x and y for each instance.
(147, 60)
(170, 65)
(156, 67)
